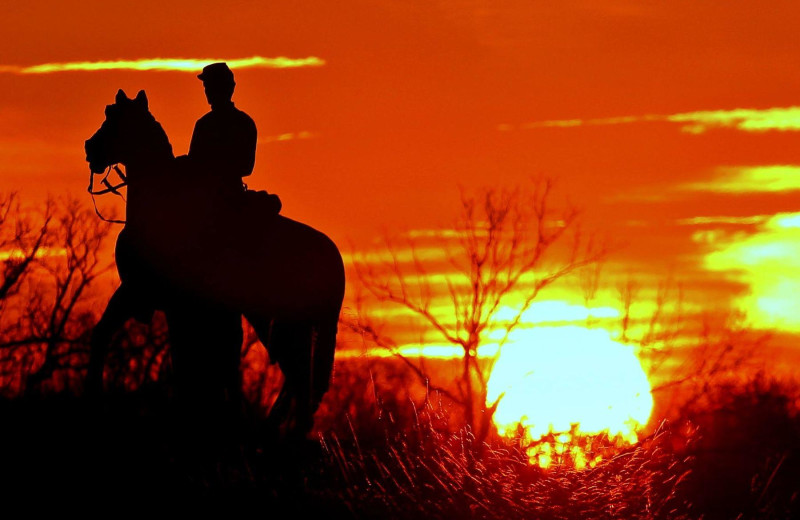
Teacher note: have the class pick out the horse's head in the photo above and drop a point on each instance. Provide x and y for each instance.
(129, 132)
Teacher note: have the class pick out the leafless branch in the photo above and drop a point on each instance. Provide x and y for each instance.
(503, 239)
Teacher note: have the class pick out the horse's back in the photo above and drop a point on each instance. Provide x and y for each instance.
(275, 266)
(247, 257)
(300, 265)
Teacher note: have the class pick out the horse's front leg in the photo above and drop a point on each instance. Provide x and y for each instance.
(120, 309)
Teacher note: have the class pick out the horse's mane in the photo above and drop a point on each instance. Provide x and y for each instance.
(160, 140)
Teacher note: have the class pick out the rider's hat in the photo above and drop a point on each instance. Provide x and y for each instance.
(216, 73)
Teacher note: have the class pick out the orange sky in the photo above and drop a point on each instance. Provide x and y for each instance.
(629, 104)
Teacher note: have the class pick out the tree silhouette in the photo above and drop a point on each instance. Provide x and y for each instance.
(50, 258)
(691, 350)
(500, 254)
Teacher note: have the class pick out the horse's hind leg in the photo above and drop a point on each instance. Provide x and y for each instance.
(206, 346)
(121, 307)
(323, 348)
(304, 352)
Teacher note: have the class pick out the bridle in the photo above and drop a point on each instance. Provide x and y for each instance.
(109, 188)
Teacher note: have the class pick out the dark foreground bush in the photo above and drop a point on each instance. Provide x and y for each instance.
(732, 454)
(746, 450)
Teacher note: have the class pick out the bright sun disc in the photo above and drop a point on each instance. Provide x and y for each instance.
(554, 378)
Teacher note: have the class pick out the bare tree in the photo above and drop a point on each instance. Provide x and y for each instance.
(684, 351)
(21, 241)
(505, 248)
(51, 257)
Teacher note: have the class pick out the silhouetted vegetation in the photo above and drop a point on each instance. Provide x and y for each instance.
(51, 261)
(386, 445)
(500, 256)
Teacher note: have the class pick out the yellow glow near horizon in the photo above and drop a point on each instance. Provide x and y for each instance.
(428, 350)
(786, 220)
(553, 378)
(165, 64)
(546, 311)
(42, 252)
(768, 261)
(555, 311)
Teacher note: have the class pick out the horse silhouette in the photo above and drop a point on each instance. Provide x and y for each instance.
(182, 245)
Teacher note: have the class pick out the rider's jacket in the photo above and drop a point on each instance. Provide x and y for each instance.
(224, 146)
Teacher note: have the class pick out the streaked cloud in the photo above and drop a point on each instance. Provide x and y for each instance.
(435, 233)
(288, 136)
(564, 123)
(743, 119)
(164, 64)
(751, 179)
(724, 220)
(568, 123)
(405, 255)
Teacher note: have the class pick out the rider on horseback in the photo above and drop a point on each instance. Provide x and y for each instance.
(223, 149)
(286, 277)
(223, 145)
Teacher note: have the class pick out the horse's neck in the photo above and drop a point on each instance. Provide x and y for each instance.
(154, 157)
(150, 186)
(152, 178)
(149, 173)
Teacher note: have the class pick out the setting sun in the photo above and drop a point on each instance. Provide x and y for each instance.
(567, 381)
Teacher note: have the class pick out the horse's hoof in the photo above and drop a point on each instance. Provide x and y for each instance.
(93, 385)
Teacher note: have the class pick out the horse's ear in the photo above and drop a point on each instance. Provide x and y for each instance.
(120, 97)
(141, 98)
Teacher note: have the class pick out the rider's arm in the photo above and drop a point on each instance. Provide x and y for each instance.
(249, 140)
(196, 143)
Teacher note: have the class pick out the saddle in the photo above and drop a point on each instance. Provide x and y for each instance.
(260, 205)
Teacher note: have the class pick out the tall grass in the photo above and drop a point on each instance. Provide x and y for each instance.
(733, 452)
(422, 472)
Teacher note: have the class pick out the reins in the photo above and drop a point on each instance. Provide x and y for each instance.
(109, 188)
